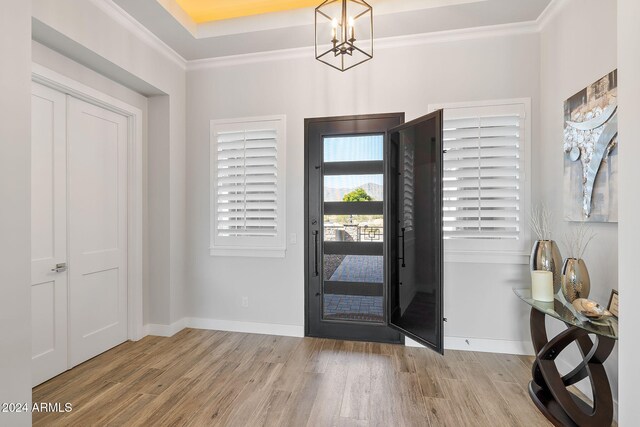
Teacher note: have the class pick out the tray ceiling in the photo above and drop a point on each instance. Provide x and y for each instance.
(201, 11)
(292, 26)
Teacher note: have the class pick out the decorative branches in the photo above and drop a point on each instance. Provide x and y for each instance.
(540, 222)
(577, 239)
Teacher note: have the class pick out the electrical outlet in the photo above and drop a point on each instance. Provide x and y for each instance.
(245, 302)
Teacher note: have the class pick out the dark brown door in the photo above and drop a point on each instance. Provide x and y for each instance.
(414, 245)
(346, 205)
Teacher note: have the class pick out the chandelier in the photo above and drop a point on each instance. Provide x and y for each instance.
(344, 33)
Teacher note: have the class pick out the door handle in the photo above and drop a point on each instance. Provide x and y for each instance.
(402, 257)
(59, 268)
(315, 254)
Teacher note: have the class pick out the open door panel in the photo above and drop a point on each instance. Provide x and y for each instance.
(414, 244)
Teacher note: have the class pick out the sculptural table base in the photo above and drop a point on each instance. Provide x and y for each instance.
(548, 389)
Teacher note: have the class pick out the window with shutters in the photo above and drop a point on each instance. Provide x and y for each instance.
(248, 187)
(485, 182)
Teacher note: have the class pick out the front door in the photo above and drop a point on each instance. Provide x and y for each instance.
(345, 227)
(373, 216)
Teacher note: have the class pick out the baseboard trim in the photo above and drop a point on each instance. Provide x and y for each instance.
(247, 327)
(165, 330)
(482, 345)
(224, 325)
(450, 343)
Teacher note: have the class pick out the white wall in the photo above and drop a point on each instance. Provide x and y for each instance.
(629, 244)
(159, 199)
(88, 32)
(578, 46)
(15, 167)
(402, 79)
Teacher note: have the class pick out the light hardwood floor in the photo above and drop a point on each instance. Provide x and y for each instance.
(203, 378)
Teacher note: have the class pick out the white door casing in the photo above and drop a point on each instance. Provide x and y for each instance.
(97, 175)
(48, 233)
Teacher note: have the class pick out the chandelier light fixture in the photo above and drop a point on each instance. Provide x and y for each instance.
(344, 33)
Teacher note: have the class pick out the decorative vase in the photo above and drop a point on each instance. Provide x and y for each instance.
(575, 279)
(545, 255)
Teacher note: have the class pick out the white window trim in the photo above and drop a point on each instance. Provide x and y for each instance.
(278, 248)
(498, 255)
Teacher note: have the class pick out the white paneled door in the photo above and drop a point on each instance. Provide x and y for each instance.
(79, 231)
(48, 233)
(97, 174)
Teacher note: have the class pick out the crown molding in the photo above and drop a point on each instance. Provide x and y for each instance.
(549, 12)
(463, 34)
(250, 58)
(119, 15)
(529, 27)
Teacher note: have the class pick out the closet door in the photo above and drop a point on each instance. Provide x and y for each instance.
(48, 233)
(97, 174)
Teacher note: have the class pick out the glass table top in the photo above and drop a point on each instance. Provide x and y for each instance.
(562, 310)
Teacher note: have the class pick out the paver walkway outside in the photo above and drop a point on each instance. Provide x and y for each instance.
(356, 307)
(356, 268)
(359, 268)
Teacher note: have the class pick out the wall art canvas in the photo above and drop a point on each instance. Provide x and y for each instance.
(591, 152)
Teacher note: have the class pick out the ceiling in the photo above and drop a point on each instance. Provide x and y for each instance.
(259, 31)
(201, 11)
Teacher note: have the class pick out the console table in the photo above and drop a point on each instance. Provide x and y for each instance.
(548, 389)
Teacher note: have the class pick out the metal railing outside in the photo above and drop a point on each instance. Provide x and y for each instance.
(353, 233)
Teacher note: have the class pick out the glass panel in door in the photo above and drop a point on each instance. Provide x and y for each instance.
(353, 228)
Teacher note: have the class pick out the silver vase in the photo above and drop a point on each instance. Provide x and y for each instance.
(545, 255)
(575, 279)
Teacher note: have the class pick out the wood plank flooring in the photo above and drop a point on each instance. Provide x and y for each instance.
(212, 378)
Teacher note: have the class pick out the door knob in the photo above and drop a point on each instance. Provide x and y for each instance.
(59, 268)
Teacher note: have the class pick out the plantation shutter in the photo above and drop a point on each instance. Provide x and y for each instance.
(247, 185)
(483, 172)
(247, 189)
